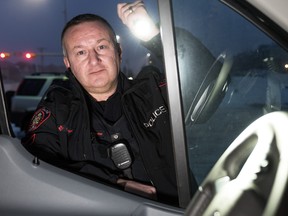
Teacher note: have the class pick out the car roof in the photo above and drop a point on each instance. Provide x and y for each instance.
(276, 10)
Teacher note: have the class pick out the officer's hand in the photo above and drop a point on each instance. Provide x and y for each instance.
(136, 18)
(138, 188)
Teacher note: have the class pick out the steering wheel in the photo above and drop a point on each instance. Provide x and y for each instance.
(250, 178)
(210, 95)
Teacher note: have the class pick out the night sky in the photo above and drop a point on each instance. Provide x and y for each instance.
(31, 25)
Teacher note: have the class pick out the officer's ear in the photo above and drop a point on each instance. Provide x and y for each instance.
(66, 62)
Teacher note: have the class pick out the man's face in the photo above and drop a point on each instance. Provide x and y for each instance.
(93, 58)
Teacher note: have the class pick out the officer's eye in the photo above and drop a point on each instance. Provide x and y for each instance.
(81, 52)
(102, 47)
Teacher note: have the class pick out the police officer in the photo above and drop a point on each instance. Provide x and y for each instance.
(103, 125)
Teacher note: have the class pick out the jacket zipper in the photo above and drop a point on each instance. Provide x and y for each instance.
(137, 140)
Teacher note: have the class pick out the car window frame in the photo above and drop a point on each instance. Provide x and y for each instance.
(5, 126)
(178, 131)
(175, 102)
(259, 20)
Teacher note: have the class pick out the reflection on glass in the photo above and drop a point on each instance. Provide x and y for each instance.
(257, 82)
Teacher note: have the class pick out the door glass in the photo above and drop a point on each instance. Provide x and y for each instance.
(231, 73)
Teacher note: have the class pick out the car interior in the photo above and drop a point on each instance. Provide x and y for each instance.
(226, 65)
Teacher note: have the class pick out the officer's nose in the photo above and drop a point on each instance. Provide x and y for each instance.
(94, 57)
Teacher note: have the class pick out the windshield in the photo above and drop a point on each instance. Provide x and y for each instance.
(231, 73)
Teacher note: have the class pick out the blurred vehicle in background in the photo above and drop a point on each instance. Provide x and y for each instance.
(29, 93)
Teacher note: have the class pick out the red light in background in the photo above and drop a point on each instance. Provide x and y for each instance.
(4, 55)
(29, 55)
(26, 55)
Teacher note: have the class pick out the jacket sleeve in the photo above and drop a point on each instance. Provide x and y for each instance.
(42, 140)
(155, 46)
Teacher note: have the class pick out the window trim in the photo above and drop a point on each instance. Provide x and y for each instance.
(260, 20)
(5, 127)
(175, 103)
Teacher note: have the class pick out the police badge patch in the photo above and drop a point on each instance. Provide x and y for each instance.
(39, 117)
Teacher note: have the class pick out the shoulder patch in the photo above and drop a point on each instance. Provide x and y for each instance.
(39, 117)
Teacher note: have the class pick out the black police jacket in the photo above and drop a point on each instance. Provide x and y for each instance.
(59, 131)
